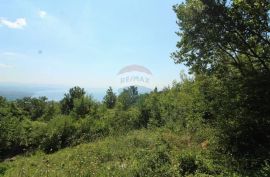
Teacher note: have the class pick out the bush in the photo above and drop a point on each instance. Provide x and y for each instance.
(199, 164)
(20, 136)
(120, 121)
(187, 164)
(157, 163)
(3, 169)
(89, 129)
(84, 106)
(10, 136)
(32, 134)
(60, 134)
(264, 171)
(32, 107)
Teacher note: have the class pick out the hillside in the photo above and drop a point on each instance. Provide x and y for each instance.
(210, 120)
(138, 153)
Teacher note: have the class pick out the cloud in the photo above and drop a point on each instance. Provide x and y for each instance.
(17, 24)
(12, 54)
(9, 54)
(5, 66)
(42, 14)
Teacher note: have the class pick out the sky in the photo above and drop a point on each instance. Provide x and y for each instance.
(86, 43)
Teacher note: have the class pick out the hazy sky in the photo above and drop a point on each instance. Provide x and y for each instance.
(86, 43)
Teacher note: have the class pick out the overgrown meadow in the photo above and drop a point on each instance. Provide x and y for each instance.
(214, 122)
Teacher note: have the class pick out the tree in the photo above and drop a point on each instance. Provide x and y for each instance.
(110, 98)
(33, 107)
(219, 33)
(128, 97)
(3, 107)
(152, 105)
(227, 42)
(52, 109)
(83, 106)
(67, 103)
(76, 92)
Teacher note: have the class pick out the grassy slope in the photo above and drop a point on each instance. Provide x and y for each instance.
(127, 155)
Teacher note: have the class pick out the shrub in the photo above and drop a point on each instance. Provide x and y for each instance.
(20, 136)
(60, 133)
(187, 164)
(196, 163)
(89, 129)
(10, 136)
(122, 121)
(32, 107)
(157, 163)
(264, 171)
(3, 169)
(84, 106)
(32, 134)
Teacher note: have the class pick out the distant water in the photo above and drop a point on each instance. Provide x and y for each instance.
(18, 91)
(55, 95)
(97, 94)
(58, 94)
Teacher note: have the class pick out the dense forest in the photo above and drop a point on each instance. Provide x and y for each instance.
(214, 122)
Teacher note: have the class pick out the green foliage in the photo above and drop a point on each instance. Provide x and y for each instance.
(32, 107)
(191, 164)
(144, 116)
(60, 134)
(138, 153)
(237, 35)
(52, 109)
(32, 133)
(4, 107)
(120, 121)
(67, 103)
(90, 129)
(19, 136)
(113, 156)
(232, 67)
(195, 107)
(110, 98)
(3, 169)
(128, 97)
(10, 136)
(152, 105)
(264, 171)
(158, 163)
(215, 123)
(187, 165)
(83, 106)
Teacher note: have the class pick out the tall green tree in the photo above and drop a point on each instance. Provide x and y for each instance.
(3, 106)
(110, 98)
(84, 106)
(67, 103)
(228, 41)
(128, 97)
(32, 107)
(218, 33)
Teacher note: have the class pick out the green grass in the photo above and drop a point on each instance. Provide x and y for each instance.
(139, 153)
